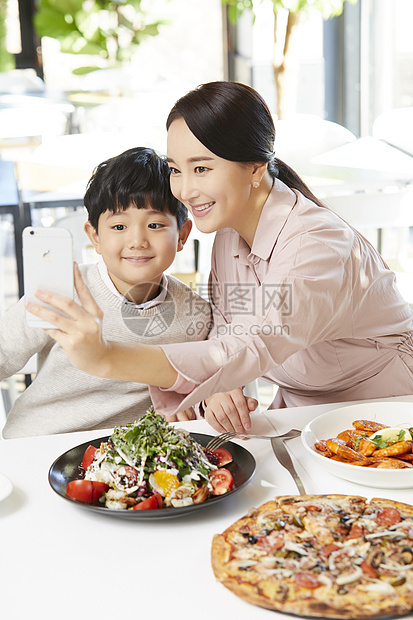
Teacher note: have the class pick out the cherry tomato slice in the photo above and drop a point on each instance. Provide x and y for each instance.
(221, 480)
(87, 491)
(88, 456)
(223, 456)
(151, 503)
(211, 456)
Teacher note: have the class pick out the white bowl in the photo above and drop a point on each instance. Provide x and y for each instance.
(329, 424)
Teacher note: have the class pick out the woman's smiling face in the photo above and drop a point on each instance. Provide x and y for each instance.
(216, 191)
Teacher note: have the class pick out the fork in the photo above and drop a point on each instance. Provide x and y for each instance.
(219, 440)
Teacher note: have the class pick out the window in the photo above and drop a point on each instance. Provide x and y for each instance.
(386, 58)
(349, 69)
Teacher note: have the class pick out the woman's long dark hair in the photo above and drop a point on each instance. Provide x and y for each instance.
(233, 121)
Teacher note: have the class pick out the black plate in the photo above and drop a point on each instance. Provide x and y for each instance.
(66, 468)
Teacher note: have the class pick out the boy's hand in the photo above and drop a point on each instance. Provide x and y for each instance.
(230, 411)
(182, 416)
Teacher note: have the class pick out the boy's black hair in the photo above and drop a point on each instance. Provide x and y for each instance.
(139, 176)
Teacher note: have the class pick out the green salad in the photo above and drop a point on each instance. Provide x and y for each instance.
(151, 464)
(152, 443)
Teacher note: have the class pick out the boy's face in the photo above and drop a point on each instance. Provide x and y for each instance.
(138, 245)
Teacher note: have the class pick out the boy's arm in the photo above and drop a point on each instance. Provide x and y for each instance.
(18, 341)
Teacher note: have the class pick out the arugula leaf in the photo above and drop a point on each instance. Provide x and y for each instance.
(357, 441)
(401, 434)
(153, 442)
(378, 440)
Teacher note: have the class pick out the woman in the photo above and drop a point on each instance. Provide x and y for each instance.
(300, 297)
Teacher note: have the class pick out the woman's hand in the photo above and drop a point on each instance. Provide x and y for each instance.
(230, 411)
(80, 335)
(79, 332)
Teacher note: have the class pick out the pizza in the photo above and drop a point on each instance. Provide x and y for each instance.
(332, 556)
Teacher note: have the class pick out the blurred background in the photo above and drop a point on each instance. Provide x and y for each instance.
(82, 80)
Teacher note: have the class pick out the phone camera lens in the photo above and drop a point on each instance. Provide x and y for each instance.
(32, 232)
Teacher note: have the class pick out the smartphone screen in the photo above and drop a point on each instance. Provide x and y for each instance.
(47, 265)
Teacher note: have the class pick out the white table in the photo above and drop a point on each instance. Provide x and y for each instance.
(67, 562)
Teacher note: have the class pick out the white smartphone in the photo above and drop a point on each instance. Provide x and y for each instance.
(47, 265)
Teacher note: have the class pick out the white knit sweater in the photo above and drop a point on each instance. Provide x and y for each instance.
(63, 399)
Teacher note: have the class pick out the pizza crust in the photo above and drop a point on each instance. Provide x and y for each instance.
(405, 509)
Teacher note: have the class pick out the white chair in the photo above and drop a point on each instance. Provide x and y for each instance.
(396, 128)
(302, 137)
(21, 81)
(389, 207)
(384, 217)
(369, 184)
(368, 162)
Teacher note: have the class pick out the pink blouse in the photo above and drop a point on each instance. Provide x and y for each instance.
(311, 307)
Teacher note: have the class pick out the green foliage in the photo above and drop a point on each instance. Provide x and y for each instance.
(7, 61)
(110, 29)
(237, 7)
(328, 8)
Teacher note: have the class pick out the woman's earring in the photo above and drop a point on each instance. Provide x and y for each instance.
(255, 185)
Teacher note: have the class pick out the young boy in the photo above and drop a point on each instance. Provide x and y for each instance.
(137, 226)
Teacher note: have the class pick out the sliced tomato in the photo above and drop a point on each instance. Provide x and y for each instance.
(223, 456)
(151, 503)
(88, 456)
(221, 480)
(87, 491)
(211, 456)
